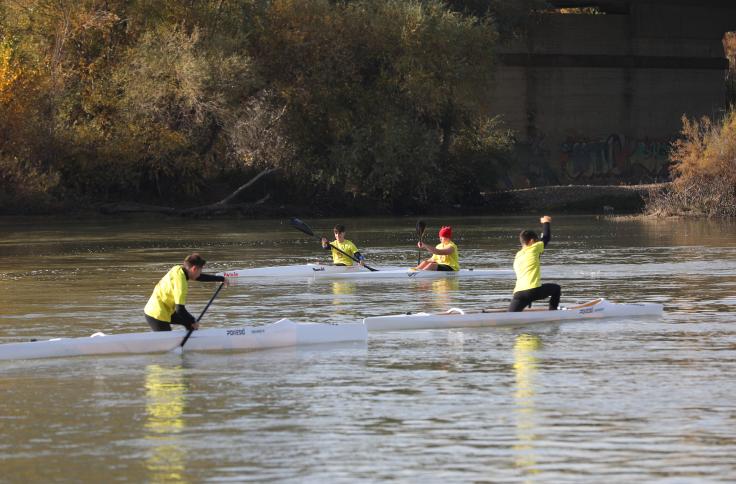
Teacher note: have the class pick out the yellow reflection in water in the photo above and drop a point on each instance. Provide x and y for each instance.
(342, 292)
(343, 288)
(165, 400)
(525, 370)
(441, 291)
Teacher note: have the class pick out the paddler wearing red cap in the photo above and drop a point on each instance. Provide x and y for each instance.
(444, 255)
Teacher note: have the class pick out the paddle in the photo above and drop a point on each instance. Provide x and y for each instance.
(189, 333)
(421, 227)
(300, 225)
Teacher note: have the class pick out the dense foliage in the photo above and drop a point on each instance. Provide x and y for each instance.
(171, 101)
(704, 171)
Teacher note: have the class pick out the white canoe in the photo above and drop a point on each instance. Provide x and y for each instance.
(356, 272)
(279, 334)
(457, 318)
(300, 271)
(412, 274)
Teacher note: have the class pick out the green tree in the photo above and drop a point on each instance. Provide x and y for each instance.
(384, 100)
(379, 93)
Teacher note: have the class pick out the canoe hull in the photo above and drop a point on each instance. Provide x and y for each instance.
(301, 271)
(279, 334)
(282, 333)
(285, 333)
(336, 273)
(596, 309)
(408, 274)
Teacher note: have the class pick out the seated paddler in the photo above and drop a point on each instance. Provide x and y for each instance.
(444, 255)
(347, 253)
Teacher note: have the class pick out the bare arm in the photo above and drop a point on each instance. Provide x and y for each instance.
(435, 250)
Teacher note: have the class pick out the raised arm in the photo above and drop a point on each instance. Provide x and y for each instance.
(546, 230)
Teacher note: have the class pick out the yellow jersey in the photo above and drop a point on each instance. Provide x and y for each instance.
(171, 290)
(528, 267)
(347, 247)
(452, 259)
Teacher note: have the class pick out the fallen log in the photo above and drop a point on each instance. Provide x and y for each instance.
(225, 206)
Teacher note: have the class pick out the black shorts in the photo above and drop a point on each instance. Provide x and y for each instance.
(445, 267)
(523, 299)
(158, 325)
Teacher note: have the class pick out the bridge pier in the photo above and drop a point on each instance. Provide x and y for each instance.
(599, 98)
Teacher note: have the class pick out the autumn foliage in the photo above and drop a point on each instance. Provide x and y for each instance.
(171, 101)
(704, 170)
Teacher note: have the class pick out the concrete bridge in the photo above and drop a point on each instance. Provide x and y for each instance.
(598, 98)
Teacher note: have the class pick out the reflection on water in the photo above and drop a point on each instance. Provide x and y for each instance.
(165, 390)
(343, 297)
(438, 292)
(525, 370)
(342, 288)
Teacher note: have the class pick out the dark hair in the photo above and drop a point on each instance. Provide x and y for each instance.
(527, 235)
(339, 228)
(194, 260)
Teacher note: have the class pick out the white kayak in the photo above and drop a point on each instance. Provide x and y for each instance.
(282, 333)
(413, 274)
(300, 271)
(358, 273)
(457, 318)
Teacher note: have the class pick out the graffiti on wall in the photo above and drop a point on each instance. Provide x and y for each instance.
(614, 159)
(628, 159)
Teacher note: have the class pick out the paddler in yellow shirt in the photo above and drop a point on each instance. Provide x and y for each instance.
(166, 305)
(344, 245)
(527, 265)
(444, 255)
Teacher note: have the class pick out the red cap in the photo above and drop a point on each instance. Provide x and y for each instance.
(446, 232)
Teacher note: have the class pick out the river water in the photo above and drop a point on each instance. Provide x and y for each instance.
(611, 401)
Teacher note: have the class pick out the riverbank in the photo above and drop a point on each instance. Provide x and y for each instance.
(569, 199)
(578, 199)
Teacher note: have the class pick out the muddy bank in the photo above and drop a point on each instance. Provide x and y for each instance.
(581, 199)
(573, 199)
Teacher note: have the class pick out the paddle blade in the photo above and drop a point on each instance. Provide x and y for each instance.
(421, 227)
(300, 225)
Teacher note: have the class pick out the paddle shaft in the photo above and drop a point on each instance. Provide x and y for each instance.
(189, 332)
(348, 255)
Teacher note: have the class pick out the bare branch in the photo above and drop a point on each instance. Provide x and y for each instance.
(232, 196)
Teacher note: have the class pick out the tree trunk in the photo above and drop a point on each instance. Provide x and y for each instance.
(222, 207)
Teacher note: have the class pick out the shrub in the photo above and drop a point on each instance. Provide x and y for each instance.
(704, 171)
(26, 187)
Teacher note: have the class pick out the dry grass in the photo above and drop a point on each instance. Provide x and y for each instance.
(704, 171)
(630, 218)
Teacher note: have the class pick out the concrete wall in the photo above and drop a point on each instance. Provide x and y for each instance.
(599, 98)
